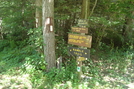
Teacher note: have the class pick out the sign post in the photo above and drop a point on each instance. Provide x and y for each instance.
(81, 40)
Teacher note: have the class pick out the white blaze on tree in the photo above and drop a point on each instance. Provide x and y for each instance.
(48, 33)
(1, 33)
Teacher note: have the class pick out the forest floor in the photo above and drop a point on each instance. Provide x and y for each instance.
(112, 77)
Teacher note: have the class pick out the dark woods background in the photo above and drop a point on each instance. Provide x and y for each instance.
(110, 21)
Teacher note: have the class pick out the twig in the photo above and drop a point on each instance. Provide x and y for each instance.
(93, 8)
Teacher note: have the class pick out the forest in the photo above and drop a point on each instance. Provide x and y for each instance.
(66, 44)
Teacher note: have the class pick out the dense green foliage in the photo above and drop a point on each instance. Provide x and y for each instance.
(110, 23)
(17, 19)
(112, 54)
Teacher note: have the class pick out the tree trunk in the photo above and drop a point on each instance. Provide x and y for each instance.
(128, 30)
(1, 32)
(48, 33)
(85, 9)
(38, 14)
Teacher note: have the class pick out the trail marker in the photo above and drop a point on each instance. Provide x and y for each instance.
(80, 40)
(79, 52)
(79, 29)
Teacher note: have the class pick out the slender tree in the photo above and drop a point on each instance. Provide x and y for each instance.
(38, 14)
(85, 9)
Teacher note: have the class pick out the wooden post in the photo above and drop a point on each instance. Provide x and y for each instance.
(79, 65)
(79, 68)
(59, 62)
(82, 39)
(84, 15)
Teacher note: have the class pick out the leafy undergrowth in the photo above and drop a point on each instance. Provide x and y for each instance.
(105, 70)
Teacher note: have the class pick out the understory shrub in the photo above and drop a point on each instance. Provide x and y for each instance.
(3, 44)
(24, 58)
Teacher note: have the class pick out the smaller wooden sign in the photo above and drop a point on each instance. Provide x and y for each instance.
(80, 40)
(81, 59)
(79, 52)
(80, 29)
(83, 22)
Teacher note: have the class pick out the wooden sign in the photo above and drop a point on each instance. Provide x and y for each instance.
(81, 59)
(83, 22)
(80, 29)
(80, 40)
(79, 52)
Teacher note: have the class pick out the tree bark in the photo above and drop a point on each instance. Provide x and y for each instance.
(48, 34)
(1, 32)
(38, 14)
(85, 9)
(128, 30)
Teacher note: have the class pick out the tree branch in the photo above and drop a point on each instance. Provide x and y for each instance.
(93, 8)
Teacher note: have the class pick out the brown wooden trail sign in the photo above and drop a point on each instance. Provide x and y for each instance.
(81, 59)
(79, 29)
(79, 52)
(82, 22)
(80, 40)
